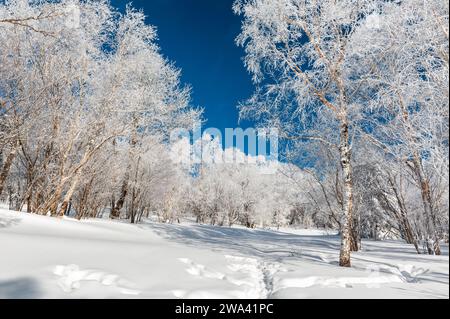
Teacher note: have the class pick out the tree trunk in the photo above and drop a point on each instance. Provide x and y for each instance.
(69, 194)
(402, 217)
(115, 212)
(432, 240)
(51, 205)
(6, 168)
(133, 206)
(347, 207)
(69, 208)
(134, 194)
(355, 236)
(83, 208)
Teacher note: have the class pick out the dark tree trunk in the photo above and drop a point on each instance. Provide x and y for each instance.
(6, 168)
(115, 212)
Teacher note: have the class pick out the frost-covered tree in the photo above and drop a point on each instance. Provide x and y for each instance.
(405, 73)
(82, 83)
(326, 69)
(297, 52)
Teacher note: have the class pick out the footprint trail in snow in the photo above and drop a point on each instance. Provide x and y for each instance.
(252, 278)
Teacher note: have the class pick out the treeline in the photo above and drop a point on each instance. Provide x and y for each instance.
(87, 102)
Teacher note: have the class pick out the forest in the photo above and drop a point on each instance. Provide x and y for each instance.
(358, 90)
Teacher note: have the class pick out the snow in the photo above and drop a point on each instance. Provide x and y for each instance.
(43, 257)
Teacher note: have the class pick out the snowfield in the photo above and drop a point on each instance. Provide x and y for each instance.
(42, 257)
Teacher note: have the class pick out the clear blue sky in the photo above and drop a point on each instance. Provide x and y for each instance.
(199, 36)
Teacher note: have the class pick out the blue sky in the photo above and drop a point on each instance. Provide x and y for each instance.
(199, 36)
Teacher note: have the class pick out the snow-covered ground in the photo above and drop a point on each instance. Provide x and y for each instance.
(42, 257)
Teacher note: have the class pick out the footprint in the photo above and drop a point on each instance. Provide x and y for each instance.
(72, 276)
(371, 281)
(409, 273)
(200, 270)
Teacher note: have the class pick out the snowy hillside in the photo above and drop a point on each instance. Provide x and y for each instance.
(43, 257)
